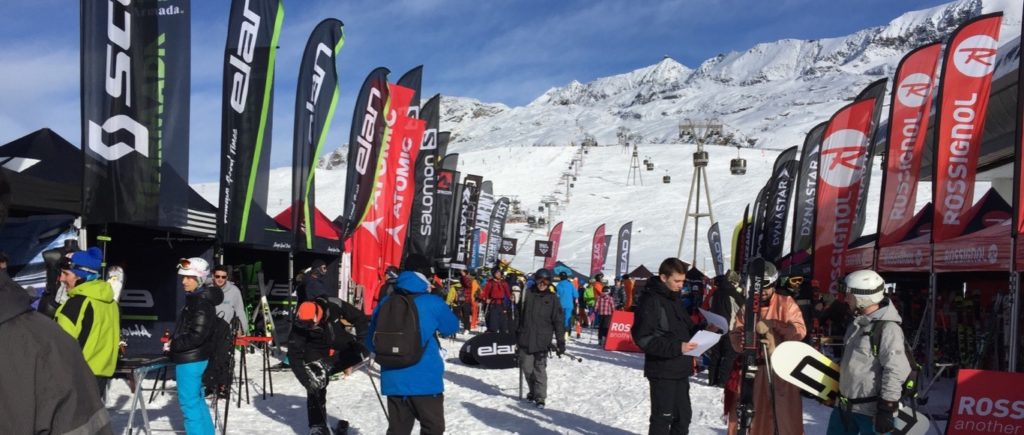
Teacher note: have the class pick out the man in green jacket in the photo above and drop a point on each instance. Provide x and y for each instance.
(90, 314)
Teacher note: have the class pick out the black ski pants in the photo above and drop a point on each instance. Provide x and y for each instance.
(670, 406)
(316, 401)
(404, 411)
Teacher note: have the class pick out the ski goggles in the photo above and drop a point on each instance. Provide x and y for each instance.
(184, 263)
(795, 281)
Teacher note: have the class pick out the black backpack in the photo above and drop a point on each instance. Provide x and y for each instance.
(397, 335)
(911, 383)
(221, 366)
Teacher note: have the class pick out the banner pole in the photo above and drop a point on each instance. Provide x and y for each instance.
(1014, 308)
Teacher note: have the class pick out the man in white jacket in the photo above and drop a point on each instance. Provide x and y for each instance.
(233, 305)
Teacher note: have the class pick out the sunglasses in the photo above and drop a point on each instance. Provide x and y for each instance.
(220, 276)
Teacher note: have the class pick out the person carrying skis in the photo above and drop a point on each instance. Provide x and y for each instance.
(870, 380)
(319, 345)
(779, 319)
(540, 318)
(662, 329)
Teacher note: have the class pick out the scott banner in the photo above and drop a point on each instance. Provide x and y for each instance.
(963, 103)
(842, 168)
(597, 251)
(423, 224)
(253, 31)
(368, 136)
(554, 237)
(780, 192)
(715, 242)
(135, 71)
(315, 99)
(622, 252)
(806, 192)
(910, 110)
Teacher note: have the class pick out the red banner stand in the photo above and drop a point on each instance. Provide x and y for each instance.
(987, 402)
(619, 337)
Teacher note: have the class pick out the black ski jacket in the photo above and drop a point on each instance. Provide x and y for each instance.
(660, 327)
(540, 318)
(191, 340)
(305, 345)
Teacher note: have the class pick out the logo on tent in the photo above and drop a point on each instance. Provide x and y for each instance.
(993, 254)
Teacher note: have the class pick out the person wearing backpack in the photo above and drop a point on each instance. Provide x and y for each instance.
(192, 343)
(319, 346)
(402, 337)
(875, 362)
(540, 320)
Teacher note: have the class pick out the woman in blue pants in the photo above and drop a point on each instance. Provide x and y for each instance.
(192, 344)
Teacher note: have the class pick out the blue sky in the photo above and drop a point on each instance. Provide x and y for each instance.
(493, 50)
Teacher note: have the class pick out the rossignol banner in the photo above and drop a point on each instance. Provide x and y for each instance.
(542, 248)
(622, 252)
(507, 246)
(842, 168)
(619, 337)
(715, 242)
(315, 100)
(555, 236)
(777, 210)
(597, 251)
(963, 103)
(135, 80)
(986, 402)
(422, 224)
(253, 31)
(806, 191)
(876, 92)
(909, 109)
(413, 79)
(403, 149)
(498, 218)
(367, 137)
(484, 209)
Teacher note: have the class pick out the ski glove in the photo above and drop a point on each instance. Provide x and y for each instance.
(318, 372)
(885, 416)
(560, 350)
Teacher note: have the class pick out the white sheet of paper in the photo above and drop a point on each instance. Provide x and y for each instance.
(715, 319)
(704, 340)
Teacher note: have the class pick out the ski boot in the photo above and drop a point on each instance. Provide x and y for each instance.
(341, 428)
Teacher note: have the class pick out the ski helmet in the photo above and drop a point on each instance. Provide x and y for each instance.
(867, 286)
(542, 273)
(771, 274)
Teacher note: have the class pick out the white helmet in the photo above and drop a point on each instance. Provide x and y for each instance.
(195, 267)
(865, 285)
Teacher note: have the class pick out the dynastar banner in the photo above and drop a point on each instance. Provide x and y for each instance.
(909, 109)
(806, 191)
(413, 79)
(842, 168)
(597, 251)
(715, 242)
(781, 189)
(403, 149)
(315, 99)
(507, 246)
(366, 141)
(542, 248)
(555, 236)
(876, 92)
(481, 235)
(622, 252)
(135, 71)
(253, 31)
(963, 103)
(498, 217)
(422, 224)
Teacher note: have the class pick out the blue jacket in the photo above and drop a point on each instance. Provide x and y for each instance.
(426, 377)
(566, 294)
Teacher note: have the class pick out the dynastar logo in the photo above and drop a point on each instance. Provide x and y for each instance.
(118, 85)
(241, 60)
(495, 349)
(913, 90)
(975, 56)
(843, 155)
(367, 132)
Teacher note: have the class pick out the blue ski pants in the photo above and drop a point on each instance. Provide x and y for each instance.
(191, 399)
(854, 424)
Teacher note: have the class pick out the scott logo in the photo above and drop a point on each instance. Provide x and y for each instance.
(843, 157)
(241, 60)
(495, 349)
(975, 56)
(913, 90)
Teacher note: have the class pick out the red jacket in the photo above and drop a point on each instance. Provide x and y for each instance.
(496, 291)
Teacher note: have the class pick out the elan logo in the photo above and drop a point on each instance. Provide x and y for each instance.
(842, 157)
(495, 349)
(975, 56)
(241, 60)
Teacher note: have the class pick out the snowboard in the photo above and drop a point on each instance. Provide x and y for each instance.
(801, 365)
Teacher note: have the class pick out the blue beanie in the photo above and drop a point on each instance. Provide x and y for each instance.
(87, 264)
(413, 282)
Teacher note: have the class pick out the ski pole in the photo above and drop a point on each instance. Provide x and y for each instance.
(771, 383)
(377, 392)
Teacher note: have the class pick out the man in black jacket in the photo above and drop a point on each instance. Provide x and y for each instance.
(662, 328)
(726, 302)
(318, 346)
(539, 321)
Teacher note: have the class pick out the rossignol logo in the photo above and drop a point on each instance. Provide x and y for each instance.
(901, 257)
(241, 59)
(367, 132)
(957, 168)
(976, 56)
(495, 349)
(620, 327)
(843, 155)
(910, 129)
(118, 85)
(972, 255)
(913, 90)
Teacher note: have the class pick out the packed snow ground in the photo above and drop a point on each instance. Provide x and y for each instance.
(606, 393)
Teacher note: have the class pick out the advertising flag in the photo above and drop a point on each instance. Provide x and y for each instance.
(874, 91)
(498, 218)
(963, 103)
(508, 246)
(806, 191)
(423, 225)
(460, 258)
(555, 236)
(403, 149)
(622, 252)
(366, 141)
(413, 79)
(717, 256)
(442, 142)
(910, 109)
(542, 248)
(484, 209)
(777, 210)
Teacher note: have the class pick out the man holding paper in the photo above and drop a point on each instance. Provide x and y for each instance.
(662, 328)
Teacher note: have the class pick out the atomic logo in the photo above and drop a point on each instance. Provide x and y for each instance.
(975, 56)
(842, 157)
(913, 90)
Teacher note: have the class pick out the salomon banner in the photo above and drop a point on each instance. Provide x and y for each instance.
(481, 233)
(622, 252)
(780, 192)
(498, 218)
(963, 103)
(403, 149)
(423, 224)
(253, 31)
(874, 91)
(135, 80)
(413, 79)
(554, 237)
(842, 166)
(315, 100)
(909, 112)
(806, 192)
(367, 137)
(508, 246)
(543, 248)
(717, 255)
